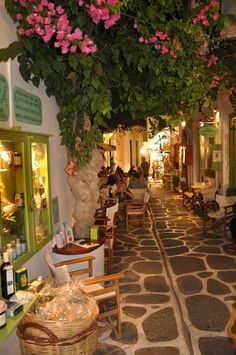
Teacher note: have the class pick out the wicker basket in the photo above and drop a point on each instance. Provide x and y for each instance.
(39, 336)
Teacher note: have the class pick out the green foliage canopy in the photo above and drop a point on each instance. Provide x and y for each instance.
(160, 58)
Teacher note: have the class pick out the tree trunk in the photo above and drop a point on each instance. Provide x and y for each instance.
(85, 190)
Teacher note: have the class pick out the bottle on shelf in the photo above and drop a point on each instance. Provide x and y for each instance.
(13, 245)
(10, 251)
(7, 277)
(23, 244)
(18, 247)
(17, 161)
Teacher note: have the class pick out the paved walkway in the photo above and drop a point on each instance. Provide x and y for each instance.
(178, 293)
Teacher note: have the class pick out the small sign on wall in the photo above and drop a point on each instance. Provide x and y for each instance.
(27, 107)
(4, 99)
(216, 157)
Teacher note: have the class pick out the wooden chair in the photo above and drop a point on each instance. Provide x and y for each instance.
(219, 219)
(104, 288)
(107, 223)
(138, 194)
(136, 211)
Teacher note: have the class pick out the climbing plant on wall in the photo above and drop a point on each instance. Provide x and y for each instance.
(105, 60)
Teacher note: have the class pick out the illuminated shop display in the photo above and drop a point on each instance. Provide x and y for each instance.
(24, 190)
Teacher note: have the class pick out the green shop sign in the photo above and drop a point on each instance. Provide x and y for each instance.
(4, 99)
(208, 131)
(27, 107)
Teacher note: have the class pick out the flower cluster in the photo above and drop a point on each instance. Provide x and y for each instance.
(215, 81)
(71, 168)
(209, 11)
(102, 11)
(162, 43)
(51, 22)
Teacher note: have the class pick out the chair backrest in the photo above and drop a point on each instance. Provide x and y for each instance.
(60, 273)
(138, 193)
(110, 213)
(146, 197)
(209, 194)
(224, 201)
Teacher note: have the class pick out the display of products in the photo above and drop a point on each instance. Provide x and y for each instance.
(17, 160)
(7, 277)
(3, 314)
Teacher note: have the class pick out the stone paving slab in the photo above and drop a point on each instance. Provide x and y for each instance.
(179, 285)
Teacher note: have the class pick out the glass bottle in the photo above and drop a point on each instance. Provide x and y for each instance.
(18, 247)
(13, 245)
(23, 244)
(9, 250)
(7, 277)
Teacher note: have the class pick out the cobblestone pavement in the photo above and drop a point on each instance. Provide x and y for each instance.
(178, 291)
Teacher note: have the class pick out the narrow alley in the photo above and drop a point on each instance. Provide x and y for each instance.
(178, 292)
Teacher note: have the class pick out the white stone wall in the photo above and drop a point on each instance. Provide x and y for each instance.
(59, 186)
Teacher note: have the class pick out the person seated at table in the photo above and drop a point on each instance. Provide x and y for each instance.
(123, 194)
(112, 186)
(136, 183)
(119, 177)
(131, 170)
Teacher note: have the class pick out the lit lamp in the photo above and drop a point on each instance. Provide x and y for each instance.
(143, 151)
(5, 158)
(183, 124)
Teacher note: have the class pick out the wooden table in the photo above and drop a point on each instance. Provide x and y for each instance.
(72, 251)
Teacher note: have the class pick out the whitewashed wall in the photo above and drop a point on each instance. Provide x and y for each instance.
(59, 187)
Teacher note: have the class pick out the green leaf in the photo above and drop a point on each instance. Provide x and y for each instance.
(95, 82)
(36, 81)
(11, 51)
(73, 61)
(98, 69)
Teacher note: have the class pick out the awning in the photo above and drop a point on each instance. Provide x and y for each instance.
(104, 146)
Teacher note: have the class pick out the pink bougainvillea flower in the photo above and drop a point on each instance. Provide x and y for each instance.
(153, 39)
(80, 2)
(222, 33)
(215, 16)
(59, 10)
(164, 49)
(135, 25)
(19, 17)
(21, 31)
(111, 21)
(214, 3)
(44, 3)
(141, 39)
(157, 46)
(73, 49)
(205, 23)
(112, 2)
(212, 61)
(23, 3)
(180, 113)
(93, 48)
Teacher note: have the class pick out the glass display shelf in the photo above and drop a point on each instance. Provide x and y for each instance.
(25, 202)
(12, 322)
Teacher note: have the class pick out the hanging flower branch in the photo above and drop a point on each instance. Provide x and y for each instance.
(147, 58)
(51, 23)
